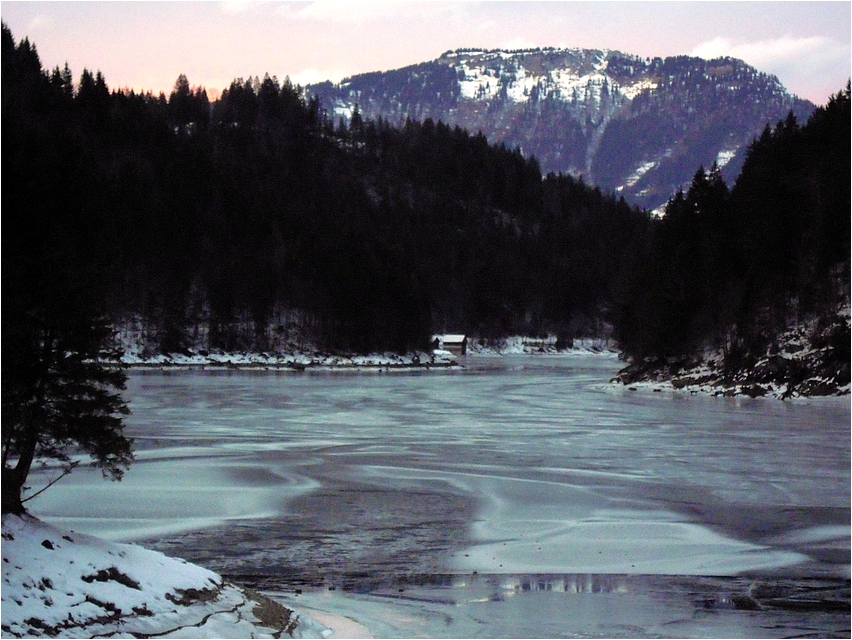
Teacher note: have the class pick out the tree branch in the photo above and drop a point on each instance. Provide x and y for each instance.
(71, 466)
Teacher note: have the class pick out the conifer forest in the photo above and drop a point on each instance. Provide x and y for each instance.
(256, 215)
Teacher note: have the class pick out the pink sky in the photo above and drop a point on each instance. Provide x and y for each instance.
(146, 45)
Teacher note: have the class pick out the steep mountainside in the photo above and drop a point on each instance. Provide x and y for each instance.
(638, 126)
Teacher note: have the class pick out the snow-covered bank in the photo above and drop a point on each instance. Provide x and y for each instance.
(523, 345)
(135, 355)
(808, 360)
(135, 344)
(287, 361)
(63, 584)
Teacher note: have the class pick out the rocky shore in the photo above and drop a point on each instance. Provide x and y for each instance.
(807, 361)
(134, 354)
(216, 359)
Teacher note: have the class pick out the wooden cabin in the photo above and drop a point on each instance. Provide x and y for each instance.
(455, 343)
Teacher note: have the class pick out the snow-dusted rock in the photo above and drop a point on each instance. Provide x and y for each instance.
(809, 359)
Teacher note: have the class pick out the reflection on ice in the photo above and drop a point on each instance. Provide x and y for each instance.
(617, 542)
(580, 606)
(573, 583)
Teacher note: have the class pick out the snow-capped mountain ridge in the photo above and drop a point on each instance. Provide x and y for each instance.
(524, 84)
(639, 126)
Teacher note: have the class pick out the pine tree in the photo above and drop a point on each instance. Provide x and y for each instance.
(57, 398)
(356, 123)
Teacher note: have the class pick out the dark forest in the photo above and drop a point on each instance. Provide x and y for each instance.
(255, 216)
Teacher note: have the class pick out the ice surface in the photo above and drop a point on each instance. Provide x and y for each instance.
(617, 543)
(547, 527)
(578, 606)
(171, 492)
(533, 463)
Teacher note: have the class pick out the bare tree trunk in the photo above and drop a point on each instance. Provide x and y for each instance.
(12, 484)
(13, 478)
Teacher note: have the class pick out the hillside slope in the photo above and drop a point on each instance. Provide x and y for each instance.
(64, 584)
(638, 126)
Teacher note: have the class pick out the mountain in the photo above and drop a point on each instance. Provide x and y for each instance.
(635, 126)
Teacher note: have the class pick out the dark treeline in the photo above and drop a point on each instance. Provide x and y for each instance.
(255, 216)
(239, 223)
(734, 269)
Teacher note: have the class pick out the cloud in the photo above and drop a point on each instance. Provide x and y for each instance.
(797, 62)
(488, 25)
(770, 52)
(518, 42)
(39, 21)
(234, 7)
(371, 10)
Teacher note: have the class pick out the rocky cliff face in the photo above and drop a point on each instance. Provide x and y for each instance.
(636, 126)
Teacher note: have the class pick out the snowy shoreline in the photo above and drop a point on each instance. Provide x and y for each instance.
(809, 360)
(220, 360)
(60, 583)
(704, 380)
(134, 357)
(696, 378)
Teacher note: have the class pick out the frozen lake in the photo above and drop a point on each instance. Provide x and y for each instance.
(520, 497)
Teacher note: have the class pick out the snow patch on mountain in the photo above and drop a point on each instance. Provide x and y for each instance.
(480, 78)
(632, 90)
(725, 156)
(558, 104)
(641, 171)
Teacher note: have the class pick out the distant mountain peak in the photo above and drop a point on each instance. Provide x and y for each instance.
(637, 126)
